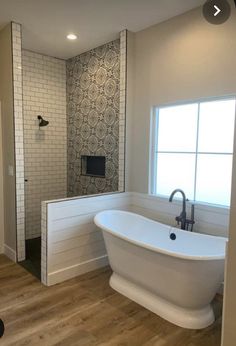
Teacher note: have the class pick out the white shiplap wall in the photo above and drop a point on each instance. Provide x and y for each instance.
(209, 219)
(73, 245)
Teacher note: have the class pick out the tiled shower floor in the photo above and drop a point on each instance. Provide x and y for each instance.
(33, 257)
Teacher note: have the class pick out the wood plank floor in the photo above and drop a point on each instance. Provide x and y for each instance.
(83, 311)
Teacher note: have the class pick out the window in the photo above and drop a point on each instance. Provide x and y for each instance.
(193, 150)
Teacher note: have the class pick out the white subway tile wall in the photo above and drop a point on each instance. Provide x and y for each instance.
(19, 150)
(122, 115)
(45, 149)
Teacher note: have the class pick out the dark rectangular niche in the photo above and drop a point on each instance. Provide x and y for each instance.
(93, 166)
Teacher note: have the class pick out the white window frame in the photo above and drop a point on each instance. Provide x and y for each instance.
(154, 146)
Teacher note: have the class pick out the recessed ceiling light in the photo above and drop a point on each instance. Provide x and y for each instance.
(71, 37)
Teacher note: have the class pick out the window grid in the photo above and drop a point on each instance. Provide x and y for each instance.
(196, 153)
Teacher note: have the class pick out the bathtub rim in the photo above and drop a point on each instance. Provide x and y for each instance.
(156, 249)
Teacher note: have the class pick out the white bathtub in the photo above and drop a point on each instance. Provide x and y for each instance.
(176, 279)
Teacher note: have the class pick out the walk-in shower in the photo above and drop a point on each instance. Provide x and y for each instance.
(79, 104)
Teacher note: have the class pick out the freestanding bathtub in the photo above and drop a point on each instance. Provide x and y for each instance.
(176, 279)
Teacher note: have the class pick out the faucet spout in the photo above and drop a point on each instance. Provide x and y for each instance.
(182, 217)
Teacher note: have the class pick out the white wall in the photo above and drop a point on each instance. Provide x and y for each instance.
(7, 112)
(12, 140)
(45, 150)
(229, 313)
(182, 59)
(1, 190)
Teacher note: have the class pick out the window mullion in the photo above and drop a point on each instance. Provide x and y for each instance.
(196, 156)
(154, 151)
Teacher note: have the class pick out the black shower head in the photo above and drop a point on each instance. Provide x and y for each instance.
(42, 122)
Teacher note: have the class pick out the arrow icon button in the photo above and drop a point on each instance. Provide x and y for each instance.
(218, 10)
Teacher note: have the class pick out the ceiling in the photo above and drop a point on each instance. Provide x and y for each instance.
(47, 22)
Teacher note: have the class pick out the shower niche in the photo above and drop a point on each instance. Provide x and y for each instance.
(93, 166)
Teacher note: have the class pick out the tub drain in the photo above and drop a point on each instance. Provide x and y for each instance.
(172, 236)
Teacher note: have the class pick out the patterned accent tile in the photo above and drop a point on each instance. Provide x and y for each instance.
(93, 101)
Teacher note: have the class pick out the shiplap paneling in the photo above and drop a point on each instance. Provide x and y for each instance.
(74, 244)
(209, 219)
(79, 240)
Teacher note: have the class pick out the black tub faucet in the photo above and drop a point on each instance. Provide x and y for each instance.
(182, 218)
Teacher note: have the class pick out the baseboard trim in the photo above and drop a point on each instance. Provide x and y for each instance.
(10, 253)
(76, 270)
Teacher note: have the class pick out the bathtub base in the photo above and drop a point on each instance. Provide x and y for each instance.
(185, 318)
